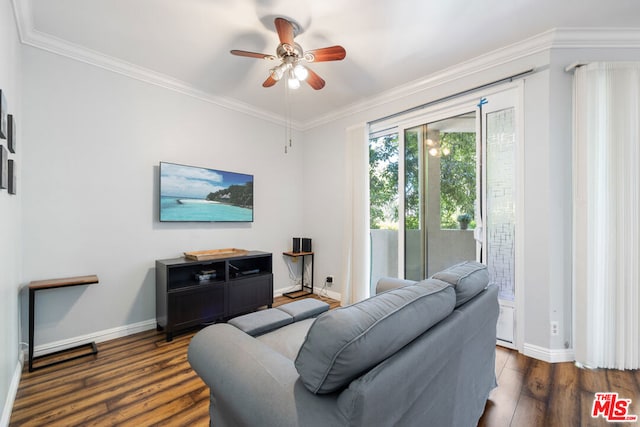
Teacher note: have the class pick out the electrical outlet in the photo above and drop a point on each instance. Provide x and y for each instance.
(555, 328)
(329, 281)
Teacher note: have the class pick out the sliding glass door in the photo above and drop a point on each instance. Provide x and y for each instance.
(444, 190)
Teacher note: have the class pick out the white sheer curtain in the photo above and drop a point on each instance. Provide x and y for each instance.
(606, 215)
(356, 217)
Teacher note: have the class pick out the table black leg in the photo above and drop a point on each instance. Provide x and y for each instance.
(32, 304)
(93, 349)
(312, 273)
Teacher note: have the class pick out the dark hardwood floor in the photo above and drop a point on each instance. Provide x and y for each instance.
(535, 393)
(142, 380)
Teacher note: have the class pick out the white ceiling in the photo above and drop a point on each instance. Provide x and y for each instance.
(388, 43)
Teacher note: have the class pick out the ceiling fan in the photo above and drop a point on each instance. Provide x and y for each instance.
(292, 58)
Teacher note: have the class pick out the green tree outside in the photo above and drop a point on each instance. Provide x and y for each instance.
(457, 180)
(383, 182)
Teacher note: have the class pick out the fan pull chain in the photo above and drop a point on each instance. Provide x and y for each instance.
(288, 121)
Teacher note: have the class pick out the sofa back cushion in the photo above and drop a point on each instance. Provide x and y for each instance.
(344, 343)
(468, 278)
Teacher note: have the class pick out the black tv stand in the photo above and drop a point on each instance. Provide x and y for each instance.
(194, 292)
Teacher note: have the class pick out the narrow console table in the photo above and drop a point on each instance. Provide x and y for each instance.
(302, 291)
(39, 285)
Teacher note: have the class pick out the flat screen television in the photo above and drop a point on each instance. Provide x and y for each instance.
(196, 194)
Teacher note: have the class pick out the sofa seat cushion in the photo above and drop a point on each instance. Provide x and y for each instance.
(468, 278)
(344, 343)
(288, 339)
(262, 321)
(304, 308)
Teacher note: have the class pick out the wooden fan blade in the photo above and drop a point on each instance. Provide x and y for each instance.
(285, 31)
(269, 82)
(332, 53)
(314, 80)
(252, 54)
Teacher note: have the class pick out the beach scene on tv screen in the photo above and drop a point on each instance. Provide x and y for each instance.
(189, 193)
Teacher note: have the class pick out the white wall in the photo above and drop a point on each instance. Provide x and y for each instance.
(92, 143)
(10, 235)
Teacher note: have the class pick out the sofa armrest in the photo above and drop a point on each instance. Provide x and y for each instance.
(388, 283)
(250, 383)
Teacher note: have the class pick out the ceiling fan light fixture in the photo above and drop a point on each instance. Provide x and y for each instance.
(292, 81)
(292, 57)
(274, 74)
(301, 72)
(277, 72)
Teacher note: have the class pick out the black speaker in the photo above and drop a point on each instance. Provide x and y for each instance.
(296, 245)
(306, 244)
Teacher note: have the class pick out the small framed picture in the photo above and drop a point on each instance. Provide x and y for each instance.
(12, 176)
(4, 167)
(11, 133)
(3, 115)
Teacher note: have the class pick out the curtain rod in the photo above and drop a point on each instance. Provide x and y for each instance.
(458, 94)
(571, 67)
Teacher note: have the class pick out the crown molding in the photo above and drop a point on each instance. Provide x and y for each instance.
(24, 17)
(593, 38)
(557, 38)
(34, 38)
(515, 51)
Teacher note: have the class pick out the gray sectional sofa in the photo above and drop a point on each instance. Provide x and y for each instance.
(418, 354)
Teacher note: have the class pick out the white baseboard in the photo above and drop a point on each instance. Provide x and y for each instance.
(331, 294)
(549, 355)
(100, 336)
(12, 392)
(325, 292)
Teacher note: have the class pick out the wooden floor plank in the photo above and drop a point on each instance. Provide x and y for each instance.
(145, 392)
(564, 398)
(626, 386)
(142, 380)
(101, 392)
(536, 383)
(503, 400)
(67, 416)
(196, 416)
(530, 412)
(594, 380)
(104, 361)
(142, 364)
(502, 356)
(518, 362)
(136, 411)
(586, 403)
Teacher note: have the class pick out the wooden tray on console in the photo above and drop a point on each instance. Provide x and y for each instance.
(214, 253)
